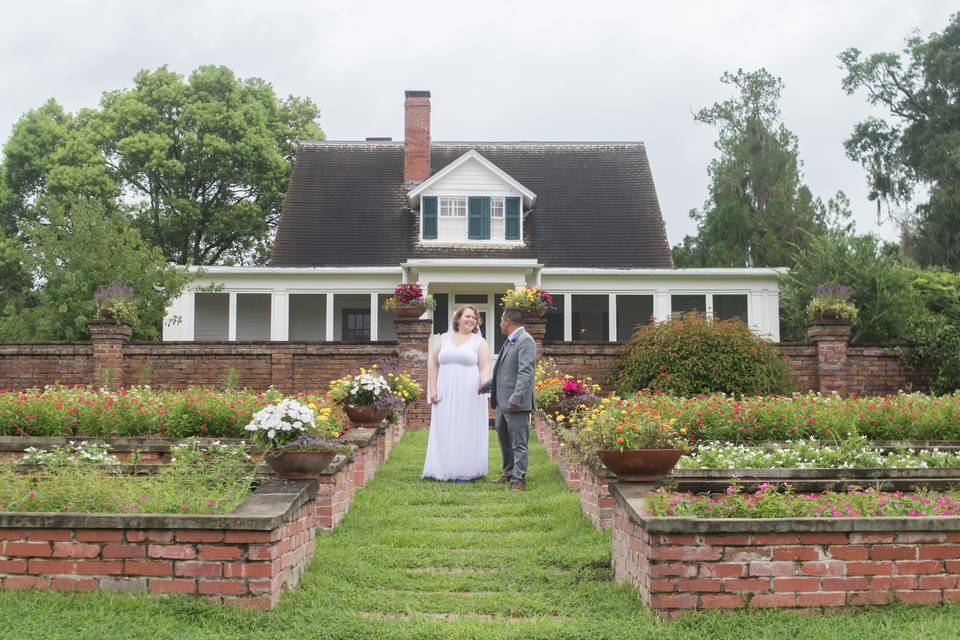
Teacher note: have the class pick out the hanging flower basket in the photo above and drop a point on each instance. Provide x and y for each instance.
(640, 465)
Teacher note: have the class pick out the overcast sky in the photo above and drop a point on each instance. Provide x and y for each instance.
(518, 70)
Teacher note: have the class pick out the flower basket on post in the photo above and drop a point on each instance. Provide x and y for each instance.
(533, 302)
(831, 305)
(117, 303)
(298, 441)
(408, 302)
(367, 397)
(632, 440)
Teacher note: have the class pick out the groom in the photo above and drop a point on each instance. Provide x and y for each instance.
(511, 394)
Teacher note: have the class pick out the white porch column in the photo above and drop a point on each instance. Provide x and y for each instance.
(612, 320)
(661, 305)
(328, 321)
(708, 308)
(232, 318)
(374, 317)
(179, 318)
(567, 317)
(280, 316)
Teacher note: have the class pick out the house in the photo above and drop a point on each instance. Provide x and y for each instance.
(467, 220)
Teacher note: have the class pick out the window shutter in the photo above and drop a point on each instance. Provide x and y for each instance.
(428, 206)
(478, 218)
(512, 217)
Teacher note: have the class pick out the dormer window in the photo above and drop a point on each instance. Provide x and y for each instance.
(470, 218)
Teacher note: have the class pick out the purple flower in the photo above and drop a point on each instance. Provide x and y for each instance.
(833, 290)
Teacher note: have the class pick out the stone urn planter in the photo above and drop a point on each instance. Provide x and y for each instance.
(533, 314)
(640, 465)
(366, 416)
(407, 313)
(298, 464)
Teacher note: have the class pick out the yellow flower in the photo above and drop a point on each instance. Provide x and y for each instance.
(312, 405)
(335, 434)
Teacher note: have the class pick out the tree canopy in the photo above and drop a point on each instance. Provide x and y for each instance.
(758, 209)
(914, 151)
(199, 165)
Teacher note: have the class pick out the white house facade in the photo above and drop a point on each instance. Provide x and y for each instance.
(467, 221)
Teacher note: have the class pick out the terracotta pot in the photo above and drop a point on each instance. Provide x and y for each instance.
(366, 416)
(640, 465)
(407, 313)
(298, 464)
(533, 313)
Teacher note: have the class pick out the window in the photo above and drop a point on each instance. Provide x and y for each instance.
(727, 307)
(632, 311)
(555, 319)
(496, 207)
(211, 316)
(684, 304)
(356, 325)
(453, 207)
(253, 316)
(591, 317)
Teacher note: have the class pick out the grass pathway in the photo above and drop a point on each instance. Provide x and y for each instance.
(421, 559)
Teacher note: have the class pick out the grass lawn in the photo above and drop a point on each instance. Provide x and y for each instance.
(421, 559)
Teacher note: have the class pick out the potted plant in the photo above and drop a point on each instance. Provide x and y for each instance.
(117, 302)
(297, 441)
(831, 305)
(558, 394)
(408, 301)
(633, 440)
(366, 397)
(404, 387)
(532, 301)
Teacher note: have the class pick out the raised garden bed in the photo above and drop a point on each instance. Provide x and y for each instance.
(245, 557)
(682, 564)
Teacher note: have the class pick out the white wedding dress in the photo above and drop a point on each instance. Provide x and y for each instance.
(458, 441)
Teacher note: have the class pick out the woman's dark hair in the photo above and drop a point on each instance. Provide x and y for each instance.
(459, 313)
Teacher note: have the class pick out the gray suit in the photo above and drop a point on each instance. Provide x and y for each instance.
(512, 382)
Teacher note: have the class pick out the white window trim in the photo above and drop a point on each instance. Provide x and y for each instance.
(496, 242)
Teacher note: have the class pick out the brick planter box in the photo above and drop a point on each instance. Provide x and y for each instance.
(245, 557)
(680, 564)
(804, 480)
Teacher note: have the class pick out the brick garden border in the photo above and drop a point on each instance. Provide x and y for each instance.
(245, 557)
(592, 484)
(682, 564)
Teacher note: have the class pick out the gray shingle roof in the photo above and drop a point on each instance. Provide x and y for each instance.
(596, 205)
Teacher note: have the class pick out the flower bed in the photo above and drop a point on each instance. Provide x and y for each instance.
(913, 416)
(139, 411)
(680, 563)
(209, 480)
(854, 453)
(244, 557)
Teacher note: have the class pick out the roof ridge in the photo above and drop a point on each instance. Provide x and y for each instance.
(393, 143)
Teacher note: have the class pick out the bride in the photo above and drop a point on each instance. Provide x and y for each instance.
(457, 445)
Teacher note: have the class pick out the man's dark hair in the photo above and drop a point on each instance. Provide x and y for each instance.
(514, 315)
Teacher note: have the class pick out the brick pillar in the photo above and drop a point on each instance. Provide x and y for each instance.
(537, 328)
(413, 344)
(831, 341)
(108, 339)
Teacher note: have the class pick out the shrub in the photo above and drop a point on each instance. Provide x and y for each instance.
(693, 355)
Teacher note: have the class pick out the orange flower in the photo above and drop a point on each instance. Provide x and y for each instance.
(620, 440)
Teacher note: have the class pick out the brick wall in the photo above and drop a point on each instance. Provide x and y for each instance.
(203, 556)
(718, 564)
(36, 365)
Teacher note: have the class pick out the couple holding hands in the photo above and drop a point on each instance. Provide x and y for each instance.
(458, 378)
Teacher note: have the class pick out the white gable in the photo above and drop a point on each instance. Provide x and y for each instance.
(471, 175)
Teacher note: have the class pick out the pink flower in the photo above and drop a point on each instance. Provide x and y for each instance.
(31, 494)
(731, 490)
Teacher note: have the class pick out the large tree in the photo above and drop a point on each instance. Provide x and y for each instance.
(758, 210)
(72, 250)
(915, 152)
(198, 165)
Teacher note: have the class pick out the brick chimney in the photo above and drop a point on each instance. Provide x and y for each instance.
(416, 136)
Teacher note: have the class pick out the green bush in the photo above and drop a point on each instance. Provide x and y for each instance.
(694, 355)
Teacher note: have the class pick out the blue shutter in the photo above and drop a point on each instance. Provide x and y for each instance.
(512, 215)
(478, 218)
(428, 206)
